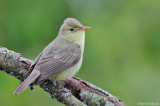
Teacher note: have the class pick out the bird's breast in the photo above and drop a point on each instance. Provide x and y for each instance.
(70, 72)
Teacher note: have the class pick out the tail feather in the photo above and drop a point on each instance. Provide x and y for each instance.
(30, 79)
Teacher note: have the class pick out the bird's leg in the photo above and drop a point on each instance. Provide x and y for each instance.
(60, 83)
(31, 86)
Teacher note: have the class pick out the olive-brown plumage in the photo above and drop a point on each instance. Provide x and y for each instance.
(61, 59)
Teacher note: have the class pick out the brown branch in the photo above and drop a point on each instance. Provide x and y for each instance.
(72, 91)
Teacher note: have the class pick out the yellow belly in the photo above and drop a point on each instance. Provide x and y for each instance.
(69, 72)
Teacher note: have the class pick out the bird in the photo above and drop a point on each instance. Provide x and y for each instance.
(61, 59)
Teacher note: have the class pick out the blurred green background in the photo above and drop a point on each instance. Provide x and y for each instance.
(122, 50)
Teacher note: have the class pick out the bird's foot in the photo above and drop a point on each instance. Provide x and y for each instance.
(31, 87)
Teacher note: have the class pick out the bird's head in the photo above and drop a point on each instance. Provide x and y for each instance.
(72, 29)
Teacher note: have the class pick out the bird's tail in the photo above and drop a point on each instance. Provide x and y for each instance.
(30, 79)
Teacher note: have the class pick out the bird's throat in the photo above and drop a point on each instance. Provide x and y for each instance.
(79, 39)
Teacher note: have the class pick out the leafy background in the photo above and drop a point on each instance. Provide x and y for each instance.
(122, 50)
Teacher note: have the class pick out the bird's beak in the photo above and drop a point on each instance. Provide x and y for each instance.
(84, 28)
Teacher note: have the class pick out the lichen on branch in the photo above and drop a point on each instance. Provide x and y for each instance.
(72, 91)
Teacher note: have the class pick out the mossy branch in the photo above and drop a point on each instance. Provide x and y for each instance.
(72, 91)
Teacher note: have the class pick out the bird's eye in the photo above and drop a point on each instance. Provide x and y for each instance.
(71, 29)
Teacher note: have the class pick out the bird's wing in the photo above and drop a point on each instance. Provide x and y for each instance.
(57, 61)
(33, 64)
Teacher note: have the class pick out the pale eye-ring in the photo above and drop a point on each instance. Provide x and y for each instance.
(71, 29)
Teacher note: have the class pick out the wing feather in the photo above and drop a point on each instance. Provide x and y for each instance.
(57, 61)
